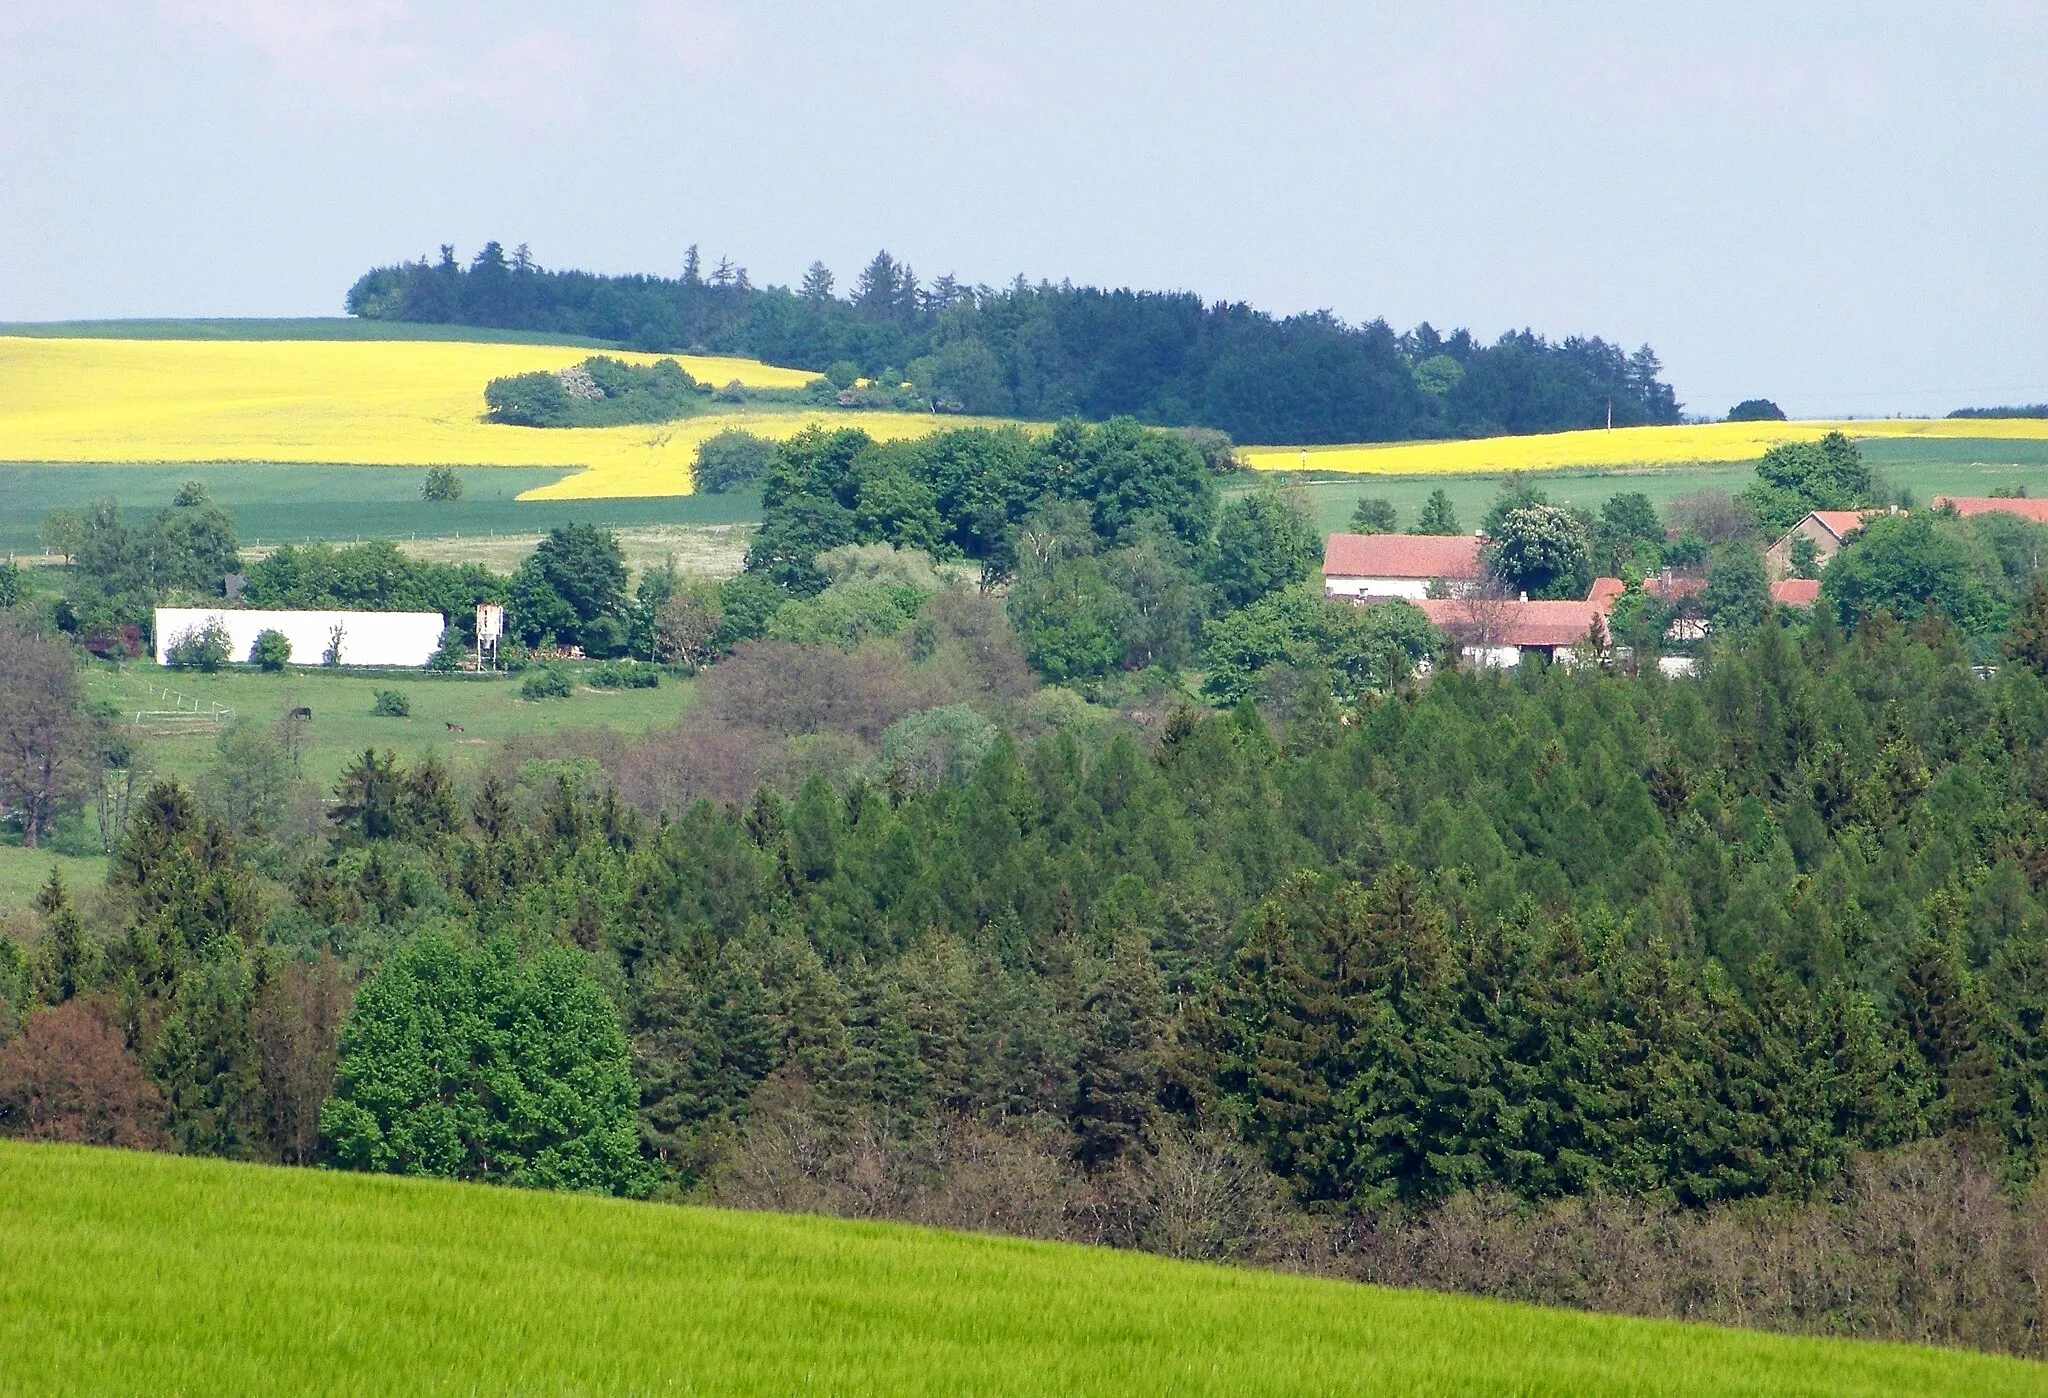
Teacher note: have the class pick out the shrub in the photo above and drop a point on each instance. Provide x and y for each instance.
(450, 654)
(202, 648)
(441, 484)
(272, 651)
(624, 674)
(730, 460)
(391, 703)
(545, 682)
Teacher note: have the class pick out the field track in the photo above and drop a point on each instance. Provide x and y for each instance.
(136, 1274)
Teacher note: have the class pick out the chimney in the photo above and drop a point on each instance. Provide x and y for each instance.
(1525, 597)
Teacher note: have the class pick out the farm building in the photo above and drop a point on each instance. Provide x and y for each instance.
(1499, 633)
(1400, 565)
(1827, 529)
(1967, 505)
(359, 638)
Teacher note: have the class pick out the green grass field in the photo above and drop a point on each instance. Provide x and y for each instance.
(282, 328)
(489, 711)
(130, 1273)
(289, 503)
(23, 871)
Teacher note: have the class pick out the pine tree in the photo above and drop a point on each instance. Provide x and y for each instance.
(2026, 636)
(1437, 516)
(1117, 1068)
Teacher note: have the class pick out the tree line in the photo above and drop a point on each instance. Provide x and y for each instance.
(1047, 351)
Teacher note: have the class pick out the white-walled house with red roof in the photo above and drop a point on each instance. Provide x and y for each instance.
(1359, 566)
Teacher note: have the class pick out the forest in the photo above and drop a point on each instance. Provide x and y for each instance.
(1046, 351)
(985, 902)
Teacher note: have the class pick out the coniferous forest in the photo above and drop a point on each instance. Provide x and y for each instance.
(1045, 351)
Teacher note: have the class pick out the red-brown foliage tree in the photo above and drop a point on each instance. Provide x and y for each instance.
(69, 1077)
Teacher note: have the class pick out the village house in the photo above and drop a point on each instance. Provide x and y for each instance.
(1362, 566)
(1967, 505)
(1827, 529)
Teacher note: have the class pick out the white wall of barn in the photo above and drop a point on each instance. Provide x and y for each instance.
(368, 638)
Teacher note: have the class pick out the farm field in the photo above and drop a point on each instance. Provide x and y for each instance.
(388, 403)
(1925, 467)
(489, 711)
(290, 503)
(1624, 446)
(141, 1274)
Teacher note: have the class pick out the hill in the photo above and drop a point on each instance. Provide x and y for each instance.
(132, 1273)
(1172, 358)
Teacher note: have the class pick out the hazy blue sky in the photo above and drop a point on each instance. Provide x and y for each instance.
(1844, 207)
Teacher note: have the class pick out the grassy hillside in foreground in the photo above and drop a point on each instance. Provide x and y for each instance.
(130, 1273)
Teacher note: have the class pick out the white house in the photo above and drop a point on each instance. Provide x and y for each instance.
(365, 638)
(1400, 565)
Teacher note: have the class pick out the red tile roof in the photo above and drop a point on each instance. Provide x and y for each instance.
(1510, 623)
(1840, 522)
(1795, 592)
(1416, 556)
(1967, 505)
(1604, 591)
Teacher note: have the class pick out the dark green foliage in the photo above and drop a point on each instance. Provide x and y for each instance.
(479, 1064)
(122, 571)
(13, 587)
(545, 682)
(1542, 550)
(1373, 516)
(1757, 410)
(391, 703)
(1437, 516)
(1262, 545)
(1908, 564)
(1628, 535)
(371, 577)
(1737, 594)
(571, 591)
(441, 484)
(731, 460)
(1048, 351)
(272, 651)
(624, 674)
(1356, 648)
(1795, 478)
(202, 648)
(599, 392)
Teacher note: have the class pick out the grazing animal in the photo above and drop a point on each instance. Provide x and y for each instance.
(454, 728)
(306, 714)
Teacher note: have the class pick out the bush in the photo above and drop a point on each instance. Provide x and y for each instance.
(441, 484)
(391, 703)
(1756, 410)
(624, 674)
(731, 460)
(272, 651)
(450, 654)
(545, 682)
(203, 648)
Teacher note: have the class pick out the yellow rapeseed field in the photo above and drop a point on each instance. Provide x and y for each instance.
(381, 403)
(1621, 446)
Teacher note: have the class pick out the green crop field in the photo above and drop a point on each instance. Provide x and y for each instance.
(1925, 467)
(489, 710)
(132, 1273)
(289, 503)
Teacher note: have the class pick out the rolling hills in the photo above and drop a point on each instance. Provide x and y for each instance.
(130, 1273)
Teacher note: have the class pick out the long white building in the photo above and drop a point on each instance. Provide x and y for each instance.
(366, 638)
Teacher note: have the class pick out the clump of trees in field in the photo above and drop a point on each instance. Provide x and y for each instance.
(1048, 351)
(599, 392)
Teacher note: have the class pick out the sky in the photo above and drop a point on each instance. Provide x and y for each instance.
(1842, 207)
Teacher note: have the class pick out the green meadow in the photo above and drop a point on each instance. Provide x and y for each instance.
(140, 1274)
(274, 504)
(488, 710)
